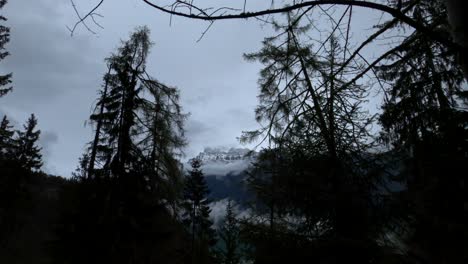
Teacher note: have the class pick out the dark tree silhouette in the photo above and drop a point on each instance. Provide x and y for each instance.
(131, 179)
(197, 213)
(27, 152)
(229, 234)
(20, 163)
(5, 80)
(6, 139)
(425, 120)
(308, 108)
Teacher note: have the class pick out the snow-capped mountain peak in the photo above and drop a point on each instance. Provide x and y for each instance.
(225, 155)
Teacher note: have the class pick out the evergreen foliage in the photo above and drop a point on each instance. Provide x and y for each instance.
(130, 179)
(6, 138)
(20, 162)
(27, 152)
(425, 120)
(197, 214)
(229, 234)
(5, 79)
(316, 171)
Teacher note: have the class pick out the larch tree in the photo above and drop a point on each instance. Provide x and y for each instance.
(307, 106)
(132, 175)
(138, 121)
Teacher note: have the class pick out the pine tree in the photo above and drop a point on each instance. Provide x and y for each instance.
(19, 156)
(5, 80)
(197, 213)
(6, 138)
(229, 234)
(27, 152)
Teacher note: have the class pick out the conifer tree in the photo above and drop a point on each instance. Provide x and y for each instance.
(132, 177)
(27, 152)
(5, 80)
(138, 126)
(229, 235)
(313, 117)
(425, 120)
(311, 114)
(6, 138)
(197, 213)
(19, 159)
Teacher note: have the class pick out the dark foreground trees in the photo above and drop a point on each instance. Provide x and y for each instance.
(425, 117)
(324, 186)
(314, 175)
(125, 197)
(324, 193)
(20, 162)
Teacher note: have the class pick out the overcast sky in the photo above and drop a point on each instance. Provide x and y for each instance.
(57, 76)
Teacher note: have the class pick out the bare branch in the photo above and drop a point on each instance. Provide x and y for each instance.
(395, 12)
(82, 20)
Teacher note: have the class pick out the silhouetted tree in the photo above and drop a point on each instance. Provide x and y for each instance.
(425, 120)
(229, 234)
(6, 138)
(27, 152)
(313, 182)
(135, 131)
(5, 80)
(197, 213)
(163, 120)
(308, 107)
(20, 162)
(118, 107)
(131, 179)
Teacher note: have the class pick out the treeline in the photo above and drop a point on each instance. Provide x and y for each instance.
(328, 189)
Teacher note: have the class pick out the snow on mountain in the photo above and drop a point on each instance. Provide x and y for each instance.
(225, 174)
(225, 155)
(222, 161)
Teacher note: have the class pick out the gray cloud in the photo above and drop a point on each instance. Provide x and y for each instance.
(218, 211)
(46, 142)
(221, 169)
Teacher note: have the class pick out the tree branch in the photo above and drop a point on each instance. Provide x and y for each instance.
(395, 12)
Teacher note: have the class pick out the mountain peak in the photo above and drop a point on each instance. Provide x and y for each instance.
(225, 154)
